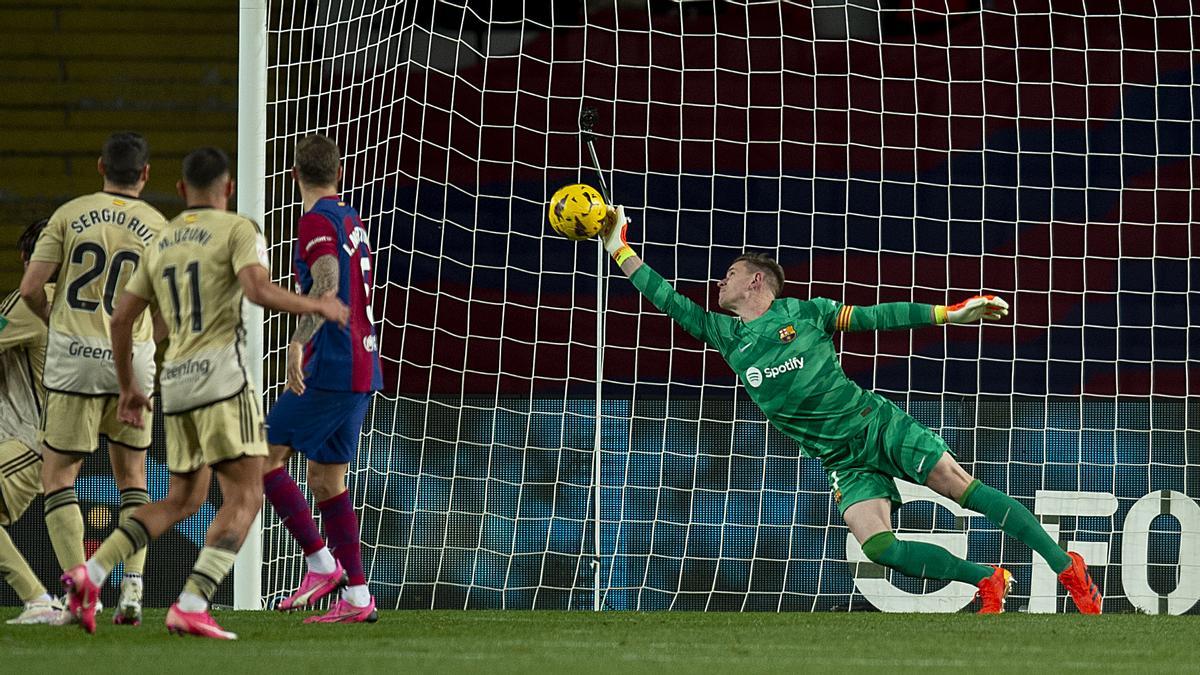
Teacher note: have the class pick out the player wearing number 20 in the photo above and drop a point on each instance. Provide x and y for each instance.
(782, 348)
(94, 243)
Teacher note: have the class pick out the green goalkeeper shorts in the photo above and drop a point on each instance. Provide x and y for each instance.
(893, 445)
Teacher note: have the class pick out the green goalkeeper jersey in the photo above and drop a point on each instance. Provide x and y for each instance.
(786, 358)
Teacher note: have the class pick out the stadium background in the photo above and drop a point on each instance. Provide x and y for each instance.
(1077, 181)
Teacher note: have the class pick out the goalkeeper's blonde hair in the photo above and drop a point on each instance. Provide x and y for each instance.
(771, 270)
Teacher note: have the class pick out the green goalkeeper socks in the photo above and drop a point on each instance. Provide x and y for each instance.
(921, 560)
(1016, 521)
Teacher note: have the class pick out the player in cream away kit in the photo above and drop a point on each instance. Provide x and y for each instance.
(22, 356)
(93, 243)
(196, 272)
(782, 350)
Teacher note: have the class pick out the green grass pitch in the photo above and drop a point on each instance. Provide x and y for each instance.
(552, 642)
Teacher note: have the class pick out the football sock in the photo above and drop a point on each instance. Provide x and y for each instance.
(341, 526)
(129, 538)
(131, 499)
(322, 561)
(190, 602)
(283, 493)
(17, 572)
(922, 560)
(97, 572)
(212, 565)
(1016, 521)
(359, 596)
(64, 523)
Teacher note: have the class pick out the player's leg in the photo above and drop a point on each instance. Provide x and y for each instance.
(291, 421)
(870, 521)
(20, 482)
(327, 468)
(328, 483)
(70, 428)
(40, 607)
(896, 446)
(241, 497)
(323, 574)
(293, 509)
(64, 520)
(70, 425)
(129, 472)
(949, 479)
(127, 447)
(185, 496)
(190, 477)
(908, 450)
(16, 569)
(232, 437)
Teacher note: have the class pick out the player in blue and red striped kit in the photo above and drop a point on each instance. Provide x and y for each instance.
(332, 372)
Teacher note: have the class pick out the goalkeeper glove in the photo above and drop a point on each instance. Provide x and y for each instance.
(613, 235)
(972, 309)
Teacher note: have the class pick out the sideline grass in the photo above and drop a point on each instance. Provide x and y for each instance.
(660, 642)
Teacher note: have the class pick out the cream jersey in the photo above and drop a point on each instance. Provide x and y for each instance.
(190, 273)
(22, 358)
(97, 240)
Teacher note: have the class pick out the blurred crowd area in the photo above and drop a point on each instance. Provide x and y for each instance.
(74, 71)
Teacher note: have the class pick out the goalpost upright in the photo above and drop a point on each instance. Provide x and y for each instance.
(251, 202)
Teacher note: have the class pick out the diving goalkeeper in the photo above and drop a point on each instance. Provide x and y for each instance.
(782, 350)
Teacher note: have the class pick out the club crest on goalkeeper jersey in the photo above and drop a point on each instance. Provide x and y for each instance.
(785, 359)
(336, 358)
(98, 241)
(190, 273)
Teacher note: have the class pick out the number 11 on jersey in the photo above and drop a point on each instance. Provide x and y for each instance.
(193, 272)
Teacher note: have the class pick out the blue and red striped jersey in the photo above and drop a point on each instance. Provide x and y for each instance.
(336, 358)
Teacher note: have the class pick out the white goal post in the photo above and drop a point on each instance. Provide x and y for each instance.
(538, 416)
(251, 201)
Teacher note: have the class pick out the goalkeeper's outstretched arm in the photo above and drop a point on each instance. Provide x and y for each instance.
(885, 316)
(703, 325)
(901, 315)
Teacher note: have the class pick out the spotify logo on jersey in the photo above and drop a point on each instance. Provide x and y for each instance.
(753, 376)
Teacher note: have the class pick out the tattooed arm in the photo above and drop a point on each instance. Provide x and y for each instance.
(325, 279)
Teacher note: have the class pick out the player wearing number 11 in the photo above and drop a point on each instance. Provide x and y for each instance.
(782, 348)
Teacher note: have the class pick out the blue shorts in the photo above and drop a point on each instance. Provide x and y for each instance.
(324, 425)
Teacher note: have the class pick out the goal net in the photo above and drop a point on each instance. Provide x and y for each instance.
(922, 152)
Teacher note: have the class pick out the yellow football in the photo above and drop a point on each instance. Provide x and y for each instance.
(577, 211)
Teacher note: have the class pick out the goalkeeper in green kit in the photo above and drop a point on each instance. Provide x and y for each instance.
(782, 350)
